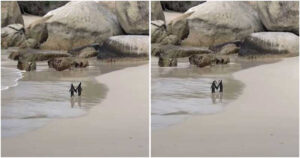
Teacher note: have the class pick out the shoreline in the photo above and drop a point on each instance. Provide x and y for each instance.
(83, 136)
(244, 128)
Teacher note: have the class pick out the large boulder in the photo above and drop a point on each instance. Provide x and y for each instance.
(261, 43)
(64, 63)
(12, 35)
(213, 23)
(279, 15)
(229, 49)
(10, 13)
(133, 16)
(36, 55)
(180, 6)
(156, 11)
(128, 45)
(29, 43)
(79, 23)
(179, 26)
(111, 5)
(172, 51)
(39, 7)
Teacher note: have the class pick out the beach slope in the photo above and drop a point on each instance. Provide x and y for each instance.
(116, 127)
(263, 121)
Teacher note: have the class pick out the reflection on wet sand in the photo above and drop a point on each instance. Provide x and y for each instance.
(182, 91)
(72, 101)
(216, 97)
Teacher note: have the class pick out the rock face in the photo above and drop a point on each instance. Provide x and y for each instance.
(208, 59)
(29, 43)
(270, 43)
(10, 13)
(12, 35)
(156, 11)
(64, 63)
(172, 51)
(79, 23)
(39, 7)
(229, 49)
(36, 55)
(88, 52)
(213, 23)
(38, 30)
(133, 16)
(180, 6)
(170, 39)
(167, 62)
(158, 31)
(280, 15)
(179, 26)
(128, 45)
(111, 5)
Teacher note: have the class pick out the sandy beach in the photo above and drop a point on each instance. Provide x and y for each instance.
(118, 126)
(263, 121)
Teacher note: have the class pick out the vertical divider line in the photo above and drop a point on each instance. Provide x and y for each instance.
(149, 1)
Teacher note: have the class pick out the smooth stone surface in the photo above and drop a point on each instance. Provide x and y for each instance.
(156, 11)
(12, 35)
(279, 15)
(131, 45)
(133, 16)
(277, 43)
(10, 13)
(79, 23)
(213, 23)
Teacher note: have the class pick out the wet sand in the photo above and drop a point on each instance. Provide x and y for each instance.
(31, 99)
(263, 121)
(116, 127)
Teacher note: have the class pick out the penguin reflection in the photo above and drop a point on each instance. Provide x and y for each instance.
(78, 90)
(214, 95)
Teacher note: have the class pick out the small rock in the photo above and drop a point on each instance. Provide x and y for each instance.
(64, 63)
(173, 51)
(26, 65)
(167, 62)
(208, 59)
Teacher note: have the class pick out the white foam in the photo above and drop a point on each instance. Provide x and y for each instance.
(10, 77)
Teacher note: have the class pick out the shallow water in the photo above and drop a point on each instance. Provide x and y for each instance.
(182, 91)
(30, 99)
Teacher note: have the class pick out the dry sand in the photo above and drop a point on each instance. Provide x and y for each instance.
(116, 127)
(263, 121)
